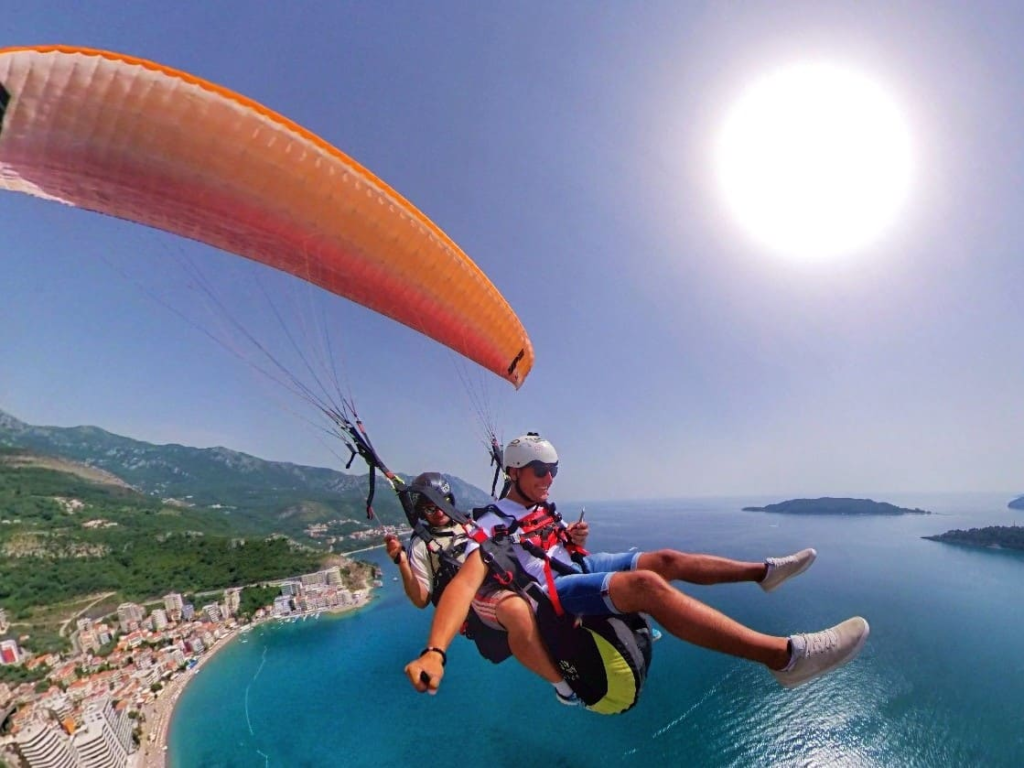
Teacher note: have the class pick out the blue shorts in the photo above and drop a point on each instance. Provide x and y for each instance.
(585, 593)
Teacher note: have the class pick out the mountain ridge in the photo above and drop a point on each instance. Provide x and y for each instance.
(272, 495)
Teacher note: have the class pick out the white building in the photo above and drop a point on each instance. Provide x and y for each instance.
(105, 738)
(212, 612)
(130, 616)
(171, 658)
(44, 745)
(309, 579)
(146, 677)
(173, 604)
(4, 624)
(282, 605)
(232, 601)
(85, 640)
(159, 619)
(57, 702)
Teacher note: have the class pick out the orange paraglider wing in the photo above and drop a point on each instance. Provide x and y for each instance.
(142, 142)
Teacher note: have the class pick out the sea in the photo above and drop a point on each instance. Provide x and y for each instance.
(939, 683)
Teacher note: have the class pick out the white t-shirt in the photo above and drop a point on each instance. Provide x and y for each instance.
(534, 566)
(424, 563)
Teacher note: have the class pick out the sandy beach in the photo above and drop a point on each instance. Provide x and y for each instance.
(159, 713)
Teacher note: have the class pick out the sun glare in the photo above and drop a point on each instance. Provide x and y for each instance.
(814, 161)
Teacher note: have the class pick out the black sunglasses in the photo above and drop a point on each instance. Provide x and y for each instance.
(542, 469)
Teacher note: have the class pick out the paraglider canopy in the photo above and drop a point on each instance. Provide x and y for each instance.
(146, 143)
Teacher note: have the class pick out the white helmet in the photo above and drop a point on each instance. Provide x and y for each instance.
(529, 447)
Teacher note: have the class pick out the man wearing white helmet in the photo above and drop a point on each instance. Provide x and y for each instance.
(629, 582)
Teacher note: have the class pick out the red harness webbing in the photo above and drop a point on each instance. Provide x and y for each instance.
(552, 591)
(541, 529)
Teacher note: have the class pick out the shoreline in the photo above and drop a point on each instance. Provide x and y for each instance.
(160, 713)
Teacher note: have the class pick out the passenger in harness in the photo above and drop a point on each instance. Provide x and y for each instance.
(434, 554)
(583, 584)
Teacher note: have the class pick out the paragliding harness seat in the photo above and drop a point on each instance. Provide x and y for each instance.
(447, 551)
(604, 658)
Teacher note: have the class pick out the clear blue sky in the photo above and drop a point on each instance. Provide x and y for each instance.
(566, 148)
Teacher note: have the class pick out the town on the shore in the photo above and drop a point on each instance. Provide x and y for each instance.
(103, 705)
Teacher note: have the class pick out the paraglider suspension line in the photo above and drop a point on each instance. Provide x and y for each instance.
(5, 99)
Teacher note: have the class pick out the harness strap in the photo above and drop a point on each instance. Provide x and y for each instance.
(552, 591)
(478, 535)
(369, 496)
(356, 439)
(540, 554)
(544, 528)
(498, 463)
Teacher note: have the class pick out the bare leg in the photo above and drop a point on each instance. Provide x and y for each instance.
(516, 616)
(693, 621)
(699, 569)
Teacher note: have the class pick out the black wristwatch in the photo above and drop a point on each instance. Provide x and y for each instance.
(442, 654)
(397, 559)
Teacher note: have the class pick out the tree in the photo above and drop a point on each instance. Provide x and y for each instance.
(254, 598)
(106, 649)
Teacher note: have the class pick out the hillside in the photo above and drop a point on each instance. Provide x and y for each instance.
(1017, 503)
(257, 496)
(993, 537)
(65, 535)
(836, 506)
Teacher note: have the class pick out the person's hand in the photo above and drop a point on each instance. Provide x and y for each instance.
(579, 532)
(392, 545)
(425, 672)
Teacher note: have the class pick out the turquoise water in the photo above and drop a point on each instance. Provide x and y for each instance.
(940, 683)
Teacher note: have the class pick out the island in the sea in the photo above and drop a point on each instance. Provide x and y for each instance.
(834, 506)
(993, 537)
(1017, 503)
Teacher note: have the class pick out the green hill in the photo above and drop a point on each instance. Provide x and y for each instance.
(67, 532)
(257, 496)
(836, 506)
(993, 537)
(87, 516)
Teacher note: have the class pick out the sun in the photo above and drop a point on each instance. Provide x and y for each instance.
(814, 161)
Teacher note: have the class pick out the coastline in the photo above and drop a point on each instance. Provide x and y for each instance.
(160, 713)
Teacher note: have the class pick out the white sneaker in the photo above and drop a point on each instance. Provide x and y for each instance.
(572, 700)
(817, 653)
(782, 568)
